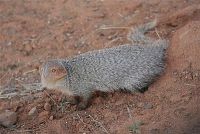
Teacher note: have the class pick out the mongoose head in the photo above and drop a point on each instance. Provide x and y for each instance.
(53, 74)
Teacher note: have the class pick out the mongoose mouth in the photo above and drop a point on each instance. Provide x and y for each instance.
(53, 83)
(55, 80)
(61, 78)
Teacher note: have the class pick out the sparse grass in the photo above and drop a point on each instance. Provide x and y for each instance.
(135, 127)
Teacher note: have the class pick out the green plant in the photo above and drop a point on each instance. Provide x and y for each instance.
(135, 127)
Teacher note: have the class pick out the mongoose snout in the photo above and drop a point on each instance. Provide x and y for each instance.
(130, 67)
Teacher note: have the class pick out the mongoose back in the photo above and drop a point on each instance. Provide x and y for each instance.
(128, 67)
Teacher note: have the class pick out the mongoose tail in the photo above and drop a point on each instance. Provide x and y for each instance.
(137, 34)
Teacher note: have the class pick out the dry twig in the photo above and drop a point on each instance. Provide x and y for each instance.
(100, 124)
(157, 33)
(112, 27)
(129, 113)
(51, 98)
(108, 43)
(81, 119)
(30, 71)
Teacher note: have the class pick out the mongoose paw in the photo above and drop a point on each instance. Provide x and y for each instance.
(72, 100)
(142, 90)
(82, 106)
(103, 94)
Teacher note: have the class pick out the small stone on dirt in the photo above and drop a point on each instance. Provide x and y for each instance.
(47, 106)
(140, 105)
(51, 117)
(148, 106)
(33, 111)
(8, 118)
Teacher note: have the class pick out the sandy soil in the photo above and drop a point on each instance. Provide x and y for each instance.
(32, 31)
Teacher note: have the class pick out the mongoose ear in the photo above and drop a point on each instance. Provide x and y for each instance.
(61, 71)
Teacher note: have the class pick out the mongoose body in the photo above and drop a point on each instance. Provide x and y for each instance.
(128, 67)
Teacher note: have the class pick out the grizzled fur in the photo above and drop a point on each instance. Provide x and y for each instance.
(128, 67)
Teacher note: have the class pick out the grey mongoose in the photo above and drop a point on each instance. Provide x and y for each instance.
(129, 67)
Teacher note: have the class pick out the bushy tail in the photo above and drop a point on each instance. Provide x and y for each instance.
(137, 34)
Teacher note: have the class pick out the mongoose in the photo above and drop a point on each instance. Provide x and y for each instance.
(128, 67)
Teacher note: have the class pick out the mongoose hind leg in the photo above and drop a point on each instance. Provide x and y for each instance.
(102, 94)
(142, 90)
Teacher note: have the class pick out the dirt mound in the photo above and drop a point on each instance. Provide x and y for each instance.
(179, 87)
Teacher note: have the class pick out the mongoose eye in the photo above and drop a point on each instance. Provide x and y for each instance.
(53, 70)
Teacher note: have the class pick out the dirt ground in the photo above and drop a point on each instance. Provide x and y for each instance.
(33, 31)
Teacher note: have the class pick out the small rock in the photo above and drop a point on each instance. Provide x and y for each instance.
(9, 43)
(47, 106)
(140, 105)
(51, 117)
(8, 118)
(33, 111)
(148, 106)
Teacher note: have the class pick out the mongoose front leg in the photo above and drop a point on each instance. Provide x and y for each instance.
(73, 100)
(84, 100)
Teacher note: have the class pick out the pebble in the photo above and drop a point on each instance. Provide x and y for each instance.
(47, 106)
(9, 43)
(140, 104)
(8, 118)
(148, 106)
(51, 117)
(33, 111)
